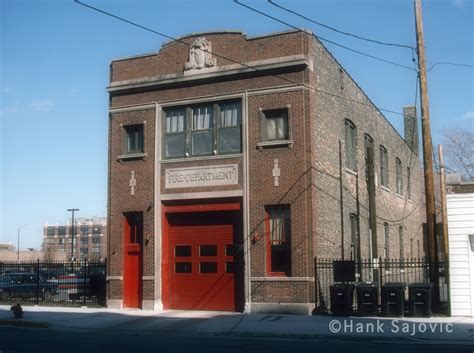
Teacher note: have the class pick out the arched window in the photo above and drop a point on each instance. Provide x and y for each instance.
(383, 166)
(351, 145)
(399, 176)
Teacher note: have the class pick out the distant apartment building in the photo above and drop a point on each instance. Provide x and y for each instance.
(89, 239)
(7, 246)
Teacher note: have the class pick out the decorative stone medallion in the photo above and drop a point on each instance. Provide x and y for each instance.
(200, 55)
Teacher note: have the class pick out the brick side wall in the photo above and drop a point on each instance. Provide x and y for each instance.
(330, 112)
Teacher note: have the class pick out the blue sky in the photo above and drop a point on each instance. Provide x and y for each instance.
(55, 56)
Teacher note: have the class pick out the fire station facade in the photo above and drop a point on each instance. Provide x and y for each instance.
(224, 174)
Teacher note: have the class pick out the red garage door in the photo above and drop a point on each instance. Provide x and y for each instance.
(201, 267)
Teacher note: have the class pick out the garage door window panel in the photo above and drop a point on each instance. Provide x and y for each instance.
(208, 250)
(182, 251)
(208, 267)
(183, 267)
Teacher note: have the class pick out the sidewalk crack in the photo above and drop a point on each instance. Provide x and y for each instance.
(237, 324)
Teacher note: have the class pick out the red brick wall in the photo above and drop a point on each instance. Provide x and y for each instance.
(172, 56)
(120, 199)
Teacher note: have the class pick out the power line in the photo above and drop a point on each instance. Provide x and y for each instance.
(448, 63)
(394, 221)
(234, 61)
(337, 30)
(324, 39)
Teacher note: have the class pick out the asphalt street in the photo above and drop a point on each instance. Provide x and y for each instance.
(37, 340)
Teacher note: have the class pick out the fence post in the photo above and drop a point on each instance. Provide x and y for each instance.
(382, 272)
(84, 288)
(37, 281)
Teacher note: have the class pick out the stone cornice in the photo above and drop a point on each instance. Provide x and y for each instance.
(225, 70)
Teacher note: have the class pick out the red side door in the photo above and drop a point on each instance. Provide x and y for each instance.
(132, 262)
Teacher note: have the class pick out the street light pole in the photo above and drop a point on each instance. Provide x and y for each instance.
(18, 243)
(72, 249)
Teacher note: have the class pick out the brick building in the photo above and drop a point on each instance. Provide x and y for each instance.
(90, 239)
(224, 167)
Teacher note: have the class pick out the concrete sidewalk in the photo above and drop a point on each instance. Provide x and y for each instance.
(433, 330)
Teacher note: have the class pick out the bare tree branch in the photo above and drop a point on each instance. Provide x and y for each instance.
(459, 151)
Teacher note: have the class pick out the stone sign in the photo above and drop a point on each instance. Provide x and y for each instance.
(201, 176)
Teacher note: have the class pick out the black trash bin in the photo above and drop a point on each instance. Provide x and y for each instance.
(419, 297)
(393, 299)
(367, 298)
(341, 299)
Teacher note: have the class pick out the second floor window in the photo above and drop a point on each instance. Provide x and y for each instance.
(134, 138)
(351, 145)
(202, 134)
(175, 133)
(399, 176)
(383, 166)
(229, 129)
(275, 124)
(202, 130)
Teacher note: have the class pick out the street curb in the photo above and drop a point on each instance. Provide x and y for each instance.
(375, 339)
(24, 323)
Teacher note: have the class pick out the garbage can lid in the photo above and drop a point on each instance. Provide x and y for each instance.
(343, 285)
(421, 285)
(394, 285)
(367, 285)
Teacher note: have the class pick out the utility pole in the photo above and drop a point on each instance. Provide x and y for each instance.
(444, 212)
(341, 204)
(72, 231)
(370, 180)
(357, 252)
(444, 218)
(427, 156)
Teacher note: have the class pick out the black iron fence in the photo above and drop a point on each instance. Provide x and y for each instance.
(379, 271)
(78, 283)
